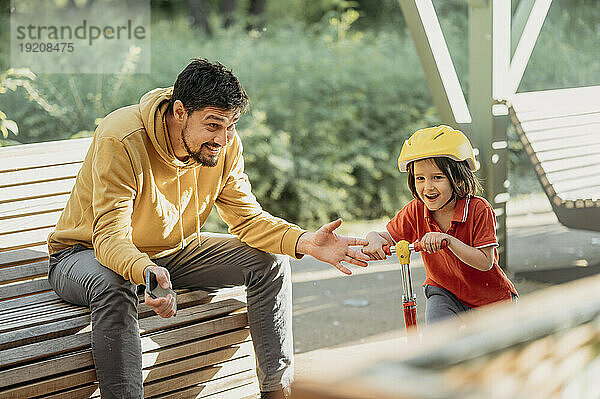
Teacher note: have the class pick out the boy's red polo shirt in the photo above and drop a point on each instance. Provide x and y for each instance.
(474, 223)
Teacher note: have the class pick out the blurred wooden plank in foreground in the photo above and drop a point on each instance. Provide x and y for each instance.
(547, 347)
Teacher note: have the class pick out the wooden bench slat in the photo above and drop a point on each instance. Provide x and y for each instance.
(24, 256)
(78, 360)
(50, 330)
(181, 366)
(62, 323)
(561, 122)
(224, 369)
(568, 153)
(21, 272)
(563, 175)
(236, 386)
(194, 314)
(86, 391)
(22, 308)
(27, 315)
(29, 223)
(239, 354)
(43, 326)
(24, 239)
(579, 162)
(576, 184)
(43, 297)
(244, 385)
(30, 156)
(592, 193)
(13, 210)
(40, 350)
(584, 132)
(558, 111)
(56, 146)
(39, 175)
(189, 333)
(166, 355)
(16, 202)
(24, 315)
(68, 343)
(566, 142)
(547, 103)
(24, 288)
(36, 190)
(52, 385)
(46, 368)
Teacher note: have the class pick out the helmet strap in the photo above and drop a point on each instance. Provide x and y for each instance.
(449, 200)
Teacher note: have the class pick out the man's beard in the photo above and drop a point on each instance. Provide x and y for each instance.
(201, 159)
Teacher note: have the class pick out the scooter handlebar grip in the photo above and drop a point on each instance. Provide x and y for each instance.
(419, 248)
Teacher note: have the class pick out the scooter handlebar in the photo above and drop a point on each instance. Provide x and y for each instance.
(416, 247)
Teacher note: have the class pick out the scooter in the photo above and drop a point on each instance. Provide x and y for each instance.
(409, 298)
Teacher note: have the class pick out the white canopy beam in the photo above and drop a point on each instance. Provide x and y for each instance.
(501, 50)
(527, 42)
(435, 58)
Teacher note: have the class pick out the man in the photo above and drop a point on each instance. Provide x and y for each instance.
(149, 181)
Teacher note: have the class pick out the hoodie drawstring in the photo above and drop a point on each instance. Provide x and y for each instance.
(179, 208)
(197, 205)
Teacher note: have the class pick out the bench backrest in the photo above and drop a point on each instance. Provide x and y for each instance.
(35, 183)
(560, 131)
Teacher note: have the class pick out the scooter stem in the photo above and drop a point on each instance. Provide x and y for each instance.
(409, 298)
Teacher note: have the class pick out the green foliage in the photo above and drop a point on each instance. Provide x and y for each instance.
(375, 15)
(58, 106)
(10, 81)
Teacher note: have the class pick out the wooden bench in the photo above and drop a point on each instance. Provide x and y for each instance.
(205, 351)
(560, 130)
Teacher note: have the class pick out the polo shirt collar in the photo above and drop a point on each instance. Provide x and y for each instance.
(461, 210)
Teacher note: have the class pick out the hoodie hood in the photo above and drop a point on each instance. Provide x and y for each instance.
(153, 108)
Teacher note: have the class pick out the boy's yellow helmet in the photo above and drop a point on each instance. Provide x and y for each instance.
(438, 141)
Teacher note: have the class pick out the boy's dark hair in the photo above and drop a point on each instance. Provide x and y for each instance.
(208, 84)
(462, 179)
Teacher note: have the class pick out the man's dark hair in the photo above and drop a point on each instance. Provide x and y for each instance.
(462, 179)
(208, 84)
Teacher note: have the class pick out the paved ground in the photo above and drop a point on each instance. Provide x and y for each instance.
(332, 310)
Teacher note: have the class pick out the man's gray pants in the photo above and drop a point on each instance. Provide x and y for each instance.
(219, 261)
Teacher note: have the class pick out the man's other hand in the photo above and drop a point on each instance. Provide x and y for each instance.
(325, 245)
(162, 306)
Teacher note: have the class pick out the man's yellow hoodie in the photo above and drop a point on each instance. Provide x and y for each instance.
(133, 200)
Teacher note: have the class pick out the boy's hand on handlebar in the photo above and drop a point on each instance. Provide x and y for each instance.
(432, 242)
(375, 246)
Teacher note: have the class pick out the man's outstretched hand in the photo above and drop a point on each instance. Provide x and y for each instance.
(327, 246)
